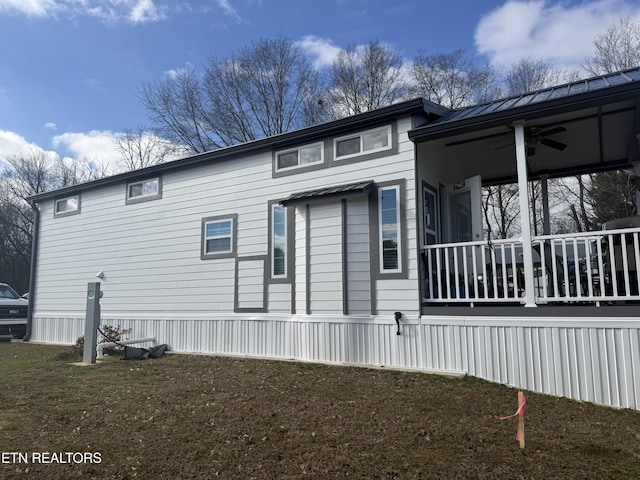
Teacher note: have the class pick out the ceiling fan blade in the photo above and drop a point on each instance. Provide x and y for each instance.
(552, 131)
(553, 144)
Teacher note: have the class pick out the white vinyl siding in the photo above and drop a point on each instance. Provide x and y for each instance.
(150, 251)
(358, 257)
(251, 284)
(325, 252)
(301, 246)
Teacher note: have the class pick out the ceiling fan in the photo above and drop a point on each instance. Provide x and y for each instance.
(535, 136)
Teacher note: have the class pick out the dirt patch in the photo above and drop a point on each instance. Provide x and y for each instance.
(199, 417)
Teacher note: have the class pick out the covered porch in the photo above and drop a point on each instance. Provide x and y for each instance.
(583, 127)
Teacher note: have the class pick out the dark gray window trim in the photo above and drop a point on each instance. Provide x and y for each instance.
(144, 198)
(291, 232)
(234, 237)
(368, 156)
(266, 273)
(326, 153)
(374, 236)
(69, 212)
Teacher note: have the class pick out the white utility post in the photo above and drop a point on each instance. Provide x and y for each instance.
(91, 323)
(525, 216)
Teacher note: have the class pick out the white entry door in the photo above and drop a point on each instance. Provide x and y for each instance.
(462, 211)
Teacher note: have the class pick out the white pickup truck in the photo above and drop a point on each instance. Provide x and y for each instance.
(13, 312)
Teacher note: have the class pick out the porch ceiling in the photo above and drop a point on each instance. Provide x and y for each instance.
(598, 127)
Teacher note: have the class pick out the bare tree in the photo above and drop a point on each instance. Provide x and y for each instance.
(531, 74)
(452, 80)
(264, 89)
(176, 105)
(23, 175)
(618, 48)
(365, 78)
(501, 208)
(140, 147)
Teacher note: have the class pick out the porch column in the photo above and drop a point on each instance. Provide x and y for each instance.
(525, 216)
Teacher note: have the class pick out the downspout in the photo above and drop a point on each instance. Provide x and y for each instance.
(32, 269)
(525, 218)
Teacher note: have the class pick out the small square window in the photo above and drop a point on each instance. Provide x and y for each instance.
(67, 206)
(218, 237)
(149, 189)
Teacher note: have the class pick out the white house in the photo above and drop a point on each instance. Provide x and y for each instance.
(361, 241)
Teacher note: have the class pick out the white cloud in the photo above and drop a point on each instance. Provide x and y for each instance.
(13, 144)
(31, 8)
(558, 32)
(228, 9)
(50, 126)
(131, 11)
(321, 49)
(145, 11)
(96, 146)
(175, 72)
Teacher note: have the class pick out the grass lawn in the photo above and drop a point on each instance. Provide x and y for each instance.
(200, 417)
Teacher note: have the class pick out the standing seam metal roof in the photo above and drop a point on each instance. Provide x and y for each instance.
(552, 93)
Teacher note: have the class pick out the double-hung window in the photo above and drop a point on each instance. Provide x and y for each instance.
(278, 241)
(67, 206)
(389, 224)
(148, 189)
(299, 157)
(374, 140)
(218, 237)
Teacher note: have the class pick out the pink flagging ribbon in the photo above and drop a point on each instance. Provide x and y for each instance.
(518, 412)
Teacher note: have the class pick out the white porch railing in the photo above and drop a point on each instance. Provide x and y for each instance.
(580, 267)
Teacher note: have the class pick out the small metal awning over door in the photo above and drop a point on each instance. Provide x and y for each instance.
(339, 191)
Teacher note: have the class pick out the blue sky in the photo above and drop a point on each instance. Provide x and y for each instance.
(70, 70)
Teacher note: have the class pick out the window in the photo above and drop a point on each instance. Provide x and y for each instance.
(299, 157)
(67, 206)
(278, 241)
(149, 189)
(389, 221)
(218, 237)
(374, 140)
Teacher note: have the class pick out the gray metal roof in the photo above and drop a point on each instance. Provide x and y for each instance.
(337, 191)
(570, 95)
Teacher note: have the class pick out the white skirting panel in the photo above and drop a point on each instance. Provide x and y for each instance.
(591, 360)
